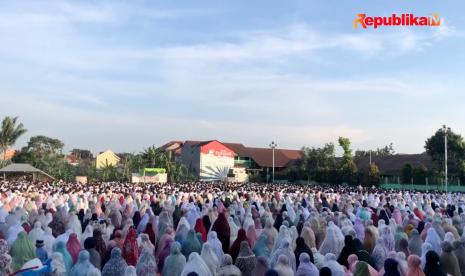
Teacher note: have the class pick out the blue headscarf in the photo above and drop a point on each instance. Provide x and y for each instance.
(116, 266)
(261, 246)
(83, 265)
(67, 259)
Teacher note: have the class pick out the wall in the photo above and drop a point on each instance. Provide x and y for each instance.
(190, 157)
(104, 157)
(215, 161)
(158, 178)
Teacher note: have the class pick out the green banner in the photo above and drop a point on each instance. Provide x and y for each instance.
(154, 170)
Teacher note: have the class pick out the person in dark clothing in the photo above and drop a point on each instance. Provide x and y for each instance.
(300, 248)
(221, 227)
(136, 219)
(278, 221)
(358, 244)
(432, 266)
(384, 216)
(347, 250)
(325, 271)
(391, 268)
(363, 255)
(206, 222)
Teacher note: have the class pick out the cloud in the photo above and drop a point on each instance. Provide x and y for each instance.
(130, 132)
(78, 71)
(299, 39)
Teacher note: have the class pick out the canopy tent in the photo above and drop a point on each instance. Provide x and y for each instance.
(22, 168)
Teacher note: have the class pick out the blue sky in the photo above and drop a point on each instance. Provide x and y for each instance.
(126, 75)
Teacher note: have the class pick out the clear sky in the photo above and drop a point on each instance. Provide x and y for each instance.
(128, 74)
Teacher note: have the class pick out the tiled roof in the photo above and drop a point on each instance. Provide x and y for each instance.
(394, 163)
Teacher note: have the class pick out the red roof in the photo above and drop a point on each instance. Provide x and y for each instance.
(393, 164)
(292, 154)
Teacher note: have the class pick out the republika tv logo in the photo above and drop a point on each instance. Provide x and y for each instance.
(406, 19)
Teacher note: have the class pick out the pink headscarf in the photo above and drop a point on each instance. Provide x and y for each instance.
(425, 231)
(414, 269)
(397, 216)
(220, 207)
(169, 235)
(352, 260)
(74, 246)
(251, 235)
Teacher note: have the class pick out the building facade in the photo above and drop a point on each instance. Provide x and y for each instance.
(105, 158)
(217, 161)
(208, 160)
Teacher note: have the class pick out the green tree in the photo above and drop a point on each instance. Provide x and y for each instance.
(130, 163)
(110, 173)
(373, 175)
(344, 143)
(455, 151)
(178, 172)
(348, 166)
(82, 154)
(317, 163)
(387, 150)
(152, 157)
(46, 154)
(4, 163)
(92, 174)
(407, 173)
(419, 174)
(9, 133)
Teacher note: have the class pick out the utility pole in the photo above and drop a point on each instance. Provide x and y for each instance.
(445, 155)
(273, 145)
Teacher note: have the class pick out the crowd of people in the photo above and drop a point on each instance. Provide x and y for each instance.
(225, 229)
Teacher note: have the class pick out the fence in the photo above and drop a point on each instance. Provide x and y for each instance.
(423, 187)
(425, 180)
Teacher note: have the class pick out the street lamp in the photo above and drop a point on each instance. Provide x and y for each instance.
(273, 145)
(445, 155)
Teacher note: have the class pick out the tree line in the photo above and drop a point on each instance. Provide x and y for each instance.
(317, 164)
(46, 153)
(321, 165)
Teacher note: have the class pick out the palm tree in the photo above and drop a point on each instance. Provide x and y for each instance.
(109, 172)
(9, 133)
(177, 172)
(130, 163)
(150, 156)
(154, 158)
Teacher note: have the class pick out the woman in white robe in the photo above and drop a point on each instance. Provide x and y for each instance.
(215, 243)
(433, 238)
(334, 240)
(331, 263)
(75, 225)
(197, 265)
(36, 233)
(283, 267)
(234, 229)
(209, 257)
